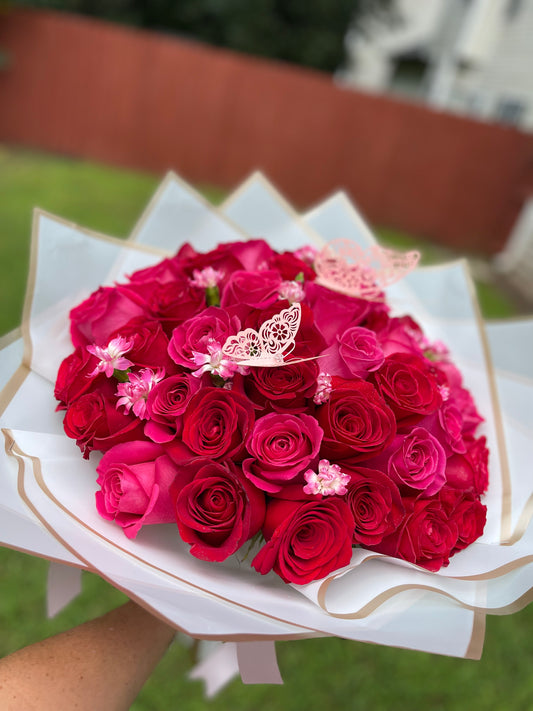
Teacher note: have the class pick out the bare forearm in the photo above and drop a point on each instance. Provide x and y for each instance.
(101, 664)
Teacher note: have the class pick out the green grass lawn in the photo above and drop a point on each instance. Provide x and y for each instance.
(318, 674)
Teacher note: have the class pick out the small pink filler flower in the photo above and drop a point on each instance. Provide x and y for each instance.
(111, 357)
(329, 480)
(307, 254)
(214, 361)
(133, 394)
(323, 388)
(292, 291)
(206, 278)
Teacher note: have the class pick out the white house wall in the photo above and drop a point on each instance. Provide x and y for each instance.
(508, 73)
(479, 54)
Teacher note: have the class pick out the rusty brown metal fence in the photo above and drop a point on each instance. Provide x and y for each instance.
(146, 100)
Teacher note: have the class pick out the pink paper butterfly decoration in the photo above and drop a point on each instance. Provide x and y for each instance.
(350, 269)
(268, 346)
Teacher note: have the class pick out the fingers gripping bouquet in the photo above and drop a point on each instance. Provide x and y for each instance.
(254, 397)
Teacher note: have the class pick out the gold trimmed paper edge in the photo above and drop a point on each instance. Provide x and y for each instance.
(173, 178)
(506, 532)
(477, 638)
(13, 449)
(259, 177)
(8, 338)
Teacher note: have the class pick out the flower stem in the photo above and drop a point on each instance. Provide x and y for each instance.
(121, 375)
(212, 296)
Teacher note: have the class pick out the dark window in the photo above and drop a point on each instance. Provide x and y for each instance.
(510, 111)
(408, 75)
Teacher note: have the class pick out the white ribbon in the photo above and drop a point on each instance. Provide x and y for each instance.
(255, 661)
(64, 584)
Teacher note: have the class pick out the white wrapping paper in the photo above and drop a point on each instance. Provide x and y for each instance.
(375, 599)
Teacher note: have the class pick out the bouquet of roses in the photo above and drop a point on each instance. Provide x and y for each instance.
(248, 394)
(269, 406)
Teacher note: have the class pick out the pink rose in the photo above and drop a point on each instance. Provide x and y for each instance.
(253, 289)
(134, 482)
(335, 312)
(216, 508)
(98, 317)
(376, 505)
(283, 446)
(356, 353)
(460, 398)
(418, 461)
(463, 400)
(401, 335)
(252, 254)
(305, 540)
(217, 423)
(195, 334)
(446, 424)
(228, 257)
(359, 349)
(166, 403)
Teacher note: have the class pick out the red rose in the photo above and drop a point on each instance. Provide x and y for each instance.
(163, 272)
(95, 423)
(227, 258)
(217, 509)
(74, 377)
(290, 267)
(469, 471)
(469, 514)
(376, 504)
(305, 541)
(283, 446)
(427, 535)
(171, 302)
(287, 388)
(150, 344)
(356, 421)
(96, 318)
(166, 403)
(134, 480)
(217, 423)
(408, 384)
